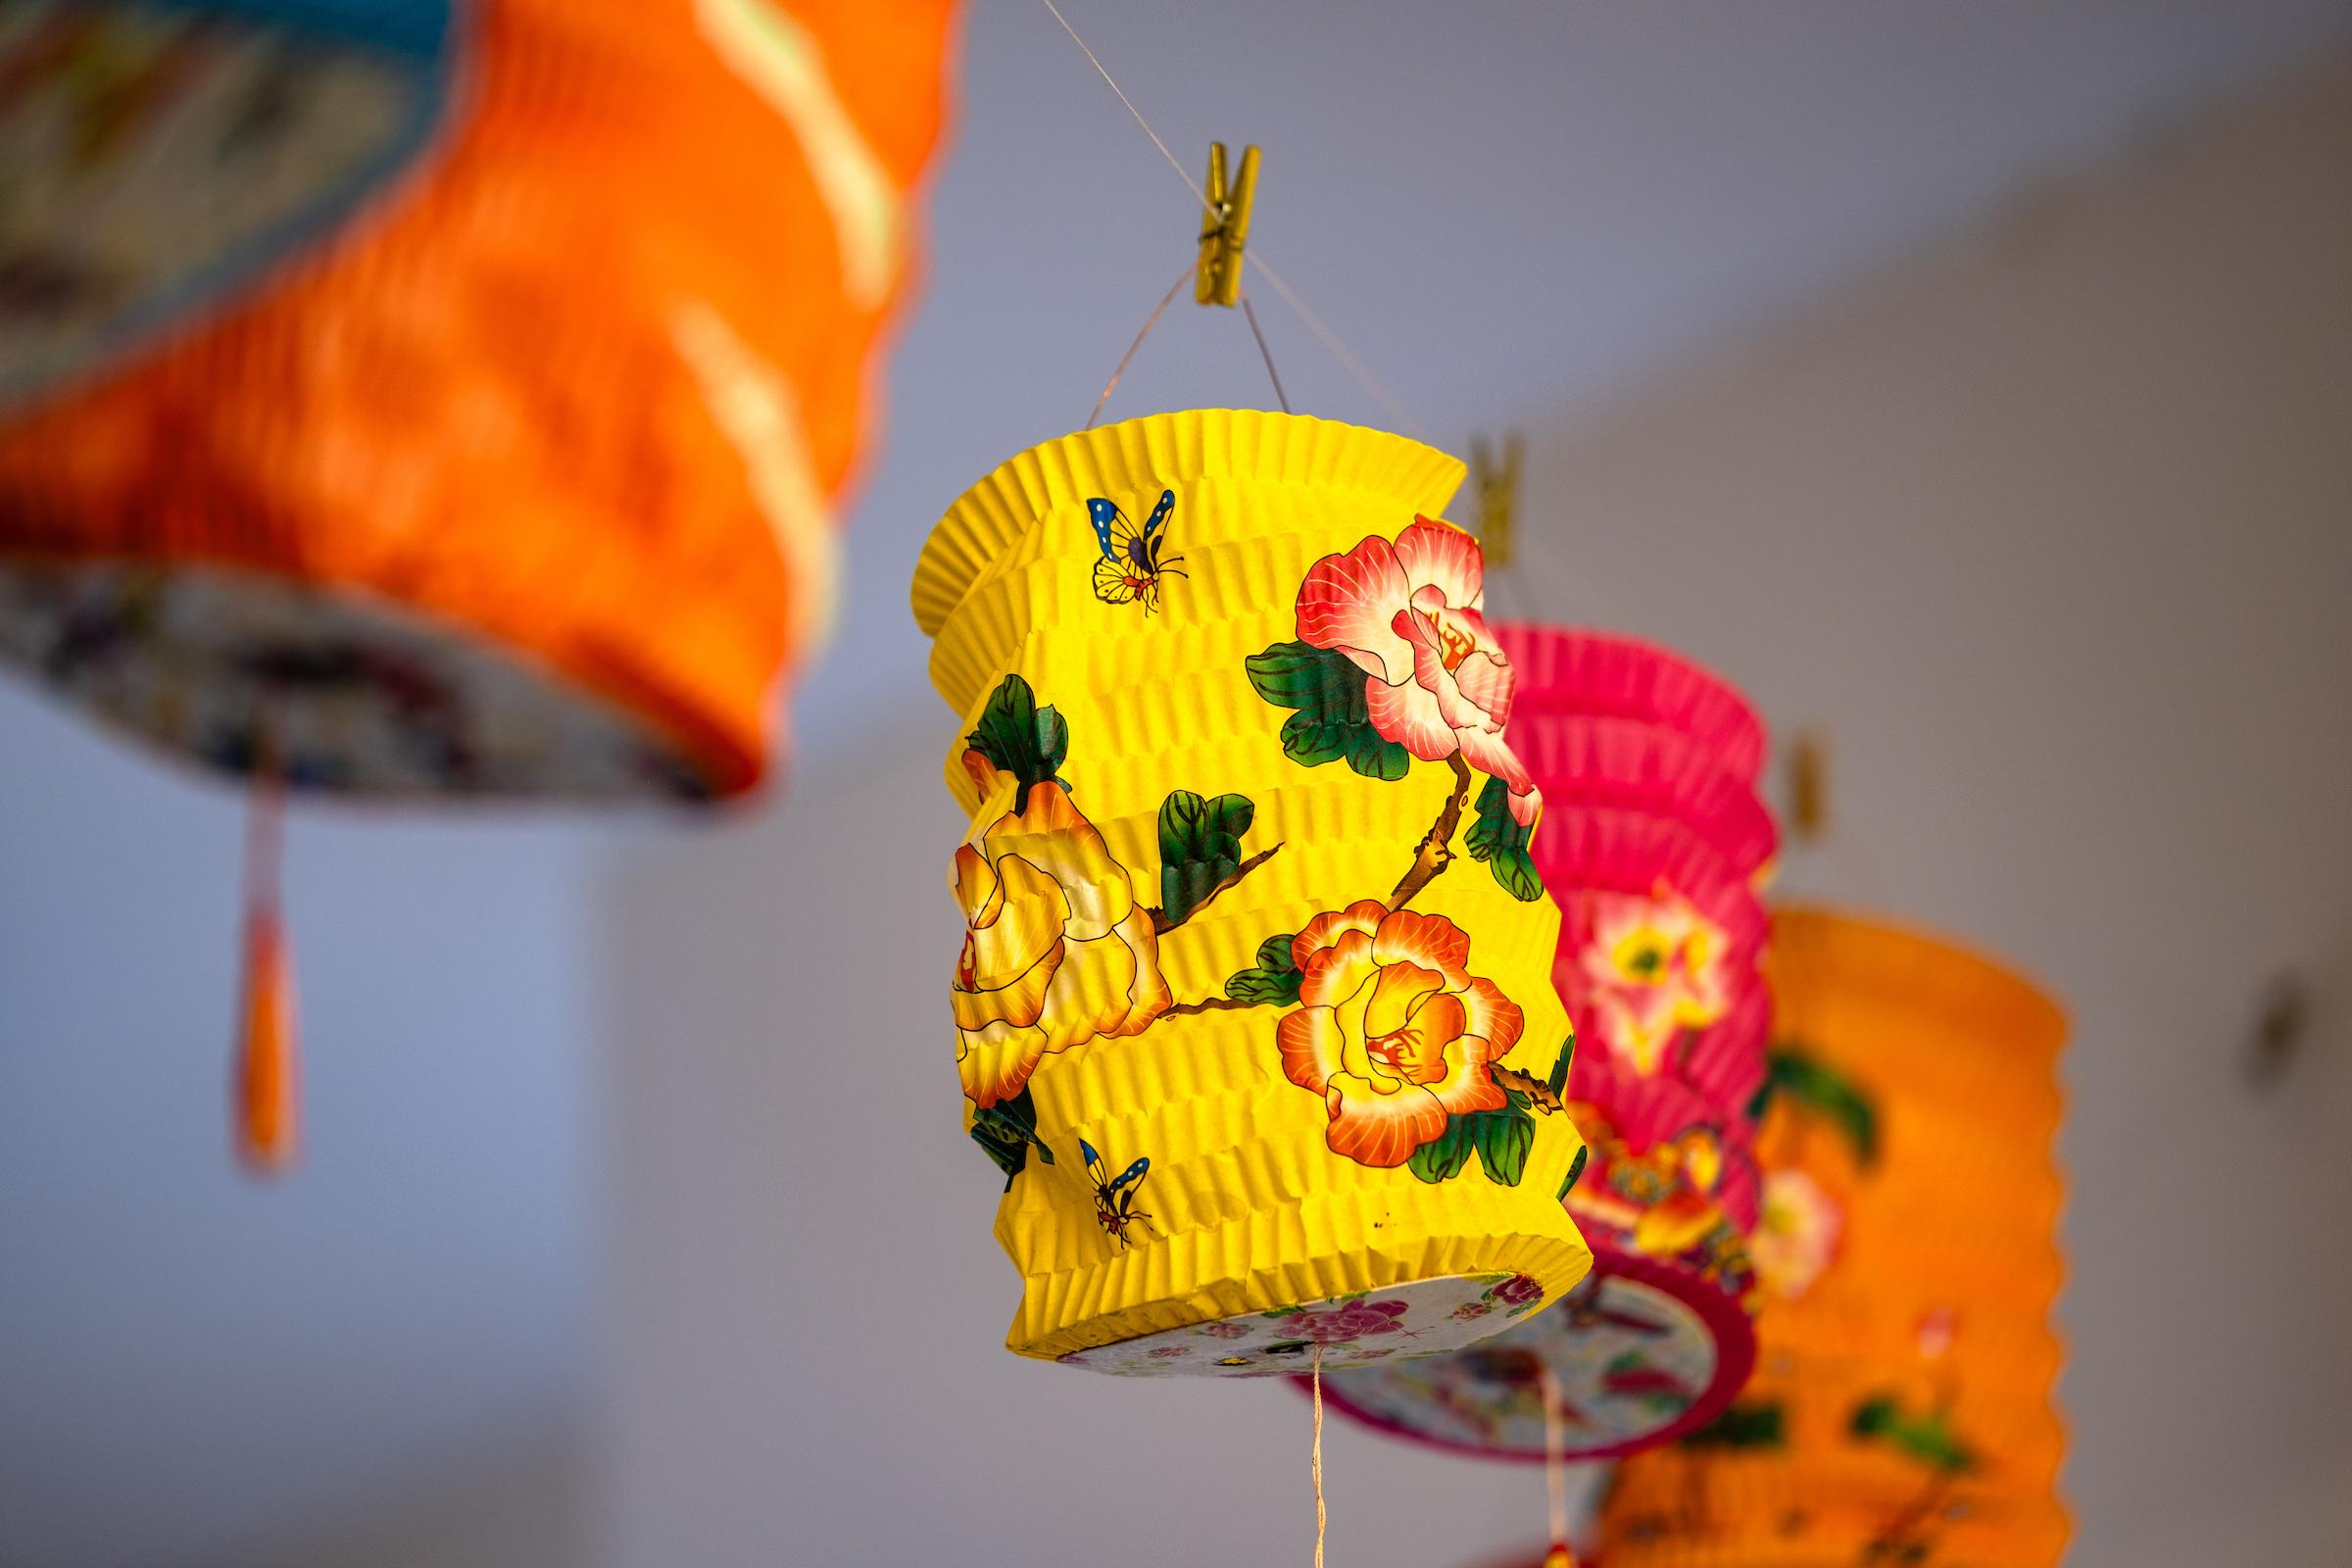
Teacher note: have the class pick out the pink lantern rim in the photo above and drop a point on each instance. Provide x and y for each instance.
(1733, 1333)
(1591, 673)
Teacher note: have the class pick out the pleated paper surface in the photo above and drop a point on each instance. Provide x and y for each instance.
(1254, 1010)
(1902, 1408)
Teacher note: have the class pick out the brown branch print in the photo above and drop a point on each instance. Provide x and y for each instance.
(1538, 1092)
(1162, 924)
(1211, 1005)
(1435, 852)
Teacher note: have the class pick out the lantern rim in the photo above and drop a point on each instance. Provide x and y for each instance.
(1806, 933)
(1163, 450)
(1734, 1341)
(183, 684)
(1681, 695)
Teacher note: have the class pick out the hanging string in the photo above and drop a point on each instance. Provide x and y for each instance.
(1318, 1453)
(1812, 855)
(1330, 340)
(1150, 321)
(267, 1068)
(1574, 588)
(1339, 351)
(1280, 396)
(1509, 594)
(1556, 1473)
(1562, 583)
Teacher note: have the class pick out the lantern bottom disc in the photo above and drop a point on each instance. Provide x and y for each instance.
(332, 690)
(1642, 1351)
(1423, 1318)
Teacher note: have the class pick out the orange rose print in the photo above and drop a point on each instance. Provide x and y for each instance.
(1662, 1200)
(1055, 951)
(1392, 1030)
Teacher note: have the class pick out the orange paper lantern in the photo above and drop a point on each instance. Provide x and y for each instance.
(418, 399)
(1901, 1411)
(455, 395)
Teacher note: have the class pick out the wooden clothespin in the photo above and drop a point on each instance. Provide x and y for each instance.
(1225, 228)
(1809, 785)
(2281, 1031)
(1497, 491)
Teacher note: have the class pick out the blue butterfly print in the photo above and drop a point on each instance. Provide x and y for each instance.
(1132, 564)
(1114, 1196)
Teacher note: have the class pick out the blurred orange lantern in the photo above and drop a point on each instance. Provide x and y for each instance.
(1901, 1411)
(429, 400)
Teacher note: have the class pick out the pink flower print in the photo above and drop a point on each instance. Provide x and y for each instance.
(1224, 1331)
(1657, 967)
(1409, 615)
(1520, 1290)
(1796, 1234)
(1167, 1350)
(1354, 1321)
(1633, 1378)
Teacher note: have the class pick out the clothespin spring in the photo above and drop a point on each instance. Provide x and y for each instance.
(1225, 228)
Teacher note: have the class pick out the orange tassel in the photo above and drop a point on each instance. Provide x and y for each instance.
(1559, 1556)
(268, 1069)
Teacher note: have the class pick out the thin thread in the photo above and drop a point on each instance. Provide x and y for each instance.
(1199, 194)
(1339, 350)
(1556, 1464)
(1573, 588)
(1508, 593)
(1149, 323)
(1280, 396)
(1318, 1454)
(1314, 323)
(1833, 868)
(265, 840)
(265, 805)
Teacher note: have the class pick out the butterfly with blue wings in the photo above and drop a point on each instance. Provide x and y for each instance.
(1131, 563)
(1115, 1197)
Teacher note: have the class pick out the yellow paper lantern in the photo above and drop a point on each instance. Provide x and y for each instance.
(1253, 1008)
(1901, 1411)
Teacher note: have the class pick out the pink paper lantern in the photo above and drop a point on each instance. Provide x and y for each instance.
(1652, 841)
(1653, 844)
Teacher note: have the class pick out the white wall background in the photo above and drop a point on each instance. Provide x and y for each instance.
(195, 1368)
(2053, 529)
(2084, 720)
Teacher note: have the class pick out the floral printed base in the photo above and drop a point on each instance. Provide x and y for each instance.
(359, 696)
(1638, 1362)
(1396, 1323)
